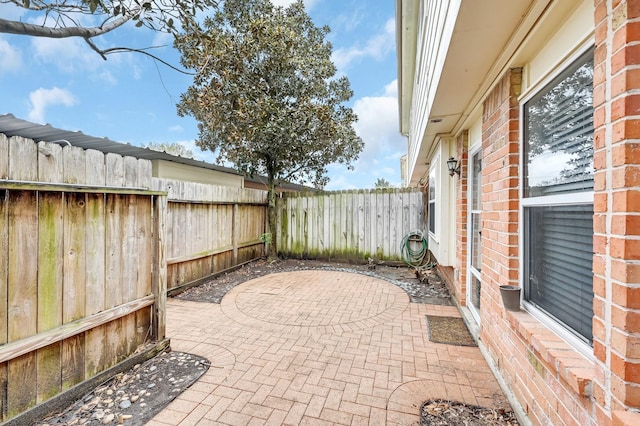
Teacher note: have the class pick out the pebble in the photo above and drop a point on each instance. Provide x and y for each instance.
(108, 418)
(151, 385)
(153, 368)
(125, 403)
(134, 398)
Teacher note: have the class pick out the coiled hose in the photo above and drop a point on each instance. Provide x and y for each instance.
(415, 250)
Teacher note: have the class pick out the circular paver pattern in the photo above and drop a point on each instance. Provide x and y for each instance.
(314, 302)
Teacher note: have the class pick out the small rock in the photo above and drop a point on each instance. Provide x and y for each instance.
(107, 401)
(125, 417)
(134, 398)
(143, 404)
(153, 368)
(151, 385)
(125, 403)
(108, 418)
(109, 392)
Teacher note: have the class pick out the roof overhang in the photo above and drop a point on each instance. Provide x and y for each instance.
(485, 37)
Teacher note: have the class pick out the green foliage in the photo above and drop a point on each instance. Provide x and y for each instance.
(171, 148)
(61, 18)
(266, 95)
(382, 183)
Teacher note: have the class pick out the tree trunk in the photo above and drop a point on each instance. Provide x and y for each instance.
(272, 217)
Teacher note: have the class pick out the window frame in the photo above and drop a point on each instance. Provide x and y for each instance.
(432, 203)
(577, 198)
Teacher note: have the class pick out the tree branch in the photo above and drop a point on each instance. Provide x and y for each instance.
(111, 50)
(15, 27)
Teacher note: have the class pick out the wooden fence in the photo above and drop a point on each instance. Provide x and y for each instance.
(82, 283)
(353, 225)
(210, 229)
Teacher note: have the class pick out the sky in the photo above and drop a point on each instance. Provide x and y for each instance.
(131, 98)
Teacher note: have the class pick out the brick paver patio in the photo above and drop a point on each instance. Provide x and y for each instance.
(319, 347)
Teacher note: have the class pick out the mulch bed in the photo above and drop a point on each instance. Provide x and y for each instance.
(432, 291)
(439, 412)
(135, 397)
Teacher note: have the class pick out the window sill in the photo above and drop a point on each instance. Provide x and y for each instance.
(556, 355)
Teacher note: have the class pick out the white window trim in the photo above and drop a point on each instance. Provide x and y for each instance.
(558, 199)
(434, 168)
(476, 149)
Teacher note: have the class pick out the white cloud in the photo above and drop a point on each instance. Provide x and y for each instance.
(376, 47)
(176, 128)
(10, 58)
(67, 55)
(383, 145)
(378, 125)
(43, 98)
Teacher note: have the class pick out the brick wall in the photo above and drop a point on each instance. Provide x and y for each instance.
(460, 281)
(500, 152)
(552, 381)
(616, 263)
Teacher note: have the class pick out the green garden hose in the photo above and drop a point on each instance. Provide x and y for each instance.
(415, 250)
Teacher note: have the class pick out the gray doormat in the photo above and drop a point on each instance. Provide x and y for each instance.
(449, 330)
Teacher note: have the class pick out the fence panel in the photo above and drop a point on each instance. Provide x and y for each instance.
(210, 229)
(351, 225)
(76, 267)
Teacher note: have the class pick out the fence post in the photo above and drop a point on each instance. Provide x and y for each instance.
(159, 271)
(234, 233)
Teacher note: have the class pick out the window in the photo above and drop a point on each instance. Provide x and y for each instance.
(558, 199)
(432, 200)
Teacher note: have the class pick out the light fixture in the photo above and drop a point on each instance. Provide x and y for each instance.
(453, 166)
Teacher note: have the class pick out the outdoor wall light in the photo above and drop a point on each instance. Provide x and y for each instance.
(453, 166)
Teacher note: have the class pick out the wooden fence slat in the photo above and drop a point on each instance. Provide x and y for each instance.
(4, 263)
(74, 300)
(23, 159)
(50, 164)
(50, 291)
(22, 297)
(4, 166)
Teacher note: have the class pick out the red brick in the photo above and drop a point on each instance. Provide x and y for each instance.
(626, 344)
(626, 153)
(625, 106)
(625, 225)
(626, 129)
(627, 393)
(628, 79)
(626, 201)
(623, 248)
(625, 319)
(622, 295)
(630, 55)
(626, 176)
(625, 418)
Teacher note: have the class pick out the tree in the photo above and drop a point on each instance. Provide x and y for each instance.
(382, 183)
(64, 18)
(171, 148)
(266, 96)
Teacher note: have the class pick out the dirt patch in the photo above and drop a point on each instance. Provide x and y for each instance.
(136, 396)
(432, 290)
(438, 412)
(449, 330)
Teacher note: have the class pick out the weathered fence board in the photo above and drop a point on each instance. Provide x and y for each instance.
(210, 229)
(348, 224)
(77, 253)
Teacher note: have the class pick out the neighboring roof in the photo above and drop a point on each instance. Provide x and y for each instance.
(12, 126)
